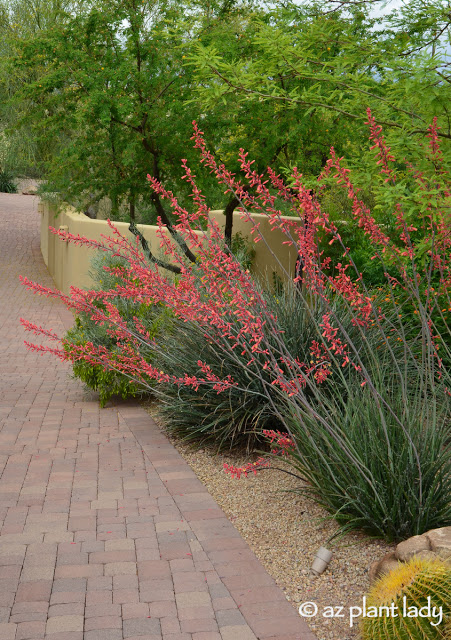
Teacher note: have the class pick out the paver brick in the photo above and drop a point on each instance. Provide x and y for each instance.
(198, 624)
(31, 616)
(104, 634)
(66, 597)
(153, 569)
(100, 583)
(141, 626)
(104, 622)
(196, 613)
(71, 558)
(170, 625)
(9, 560)
(222, 604)
(162, 609)
(120, 544)
(59, 536)
(135, 610)
(238, 632)
(8, 631)
(175, 551)
(125, 596)
(189, 581)
(142, 555)
(229, 617)
(78, 571)
(93, 546)
(104, 596)
(100, 610)
(128, 581)
(30, 630)
(104, 557)
(192, 599)
(23, 607)
(60, 624)
(66, 635)
(34, 573)
(34, 591)
(120, 568)
(181, 565)
(73, 608)
(69, 584)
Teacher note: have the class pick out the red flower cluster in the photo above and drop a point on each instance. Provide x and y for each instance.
(251, 467)
(281, 443)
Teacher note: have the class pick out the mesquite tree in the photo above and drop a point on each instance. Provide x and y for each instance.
(322, 60)
(107, 92)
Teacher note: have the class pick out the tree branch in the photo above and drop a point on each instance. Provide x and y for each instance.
(147, 252)
(323, 105)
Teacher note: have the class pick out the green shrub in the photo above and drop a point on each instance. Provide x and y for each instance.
(7, 184)
(232, 417)
(108, 381)
(408, 309)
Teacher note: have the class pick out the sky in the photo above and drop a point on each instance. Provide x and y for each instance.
(384, 7)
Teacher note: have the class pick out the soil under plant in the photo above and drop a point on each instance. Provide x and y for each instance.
(285, 530)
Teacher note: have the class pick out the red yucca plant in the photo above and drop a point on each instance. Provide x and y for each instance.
(367, 407)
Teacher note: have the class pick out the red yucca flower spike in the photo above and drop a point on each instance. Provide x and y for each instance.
(251, 467)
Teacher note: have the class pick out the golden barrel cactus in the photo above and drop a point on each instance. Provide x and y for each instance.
(412, 602)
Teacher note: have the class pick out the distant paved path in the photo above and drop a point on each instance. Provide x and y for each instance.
(106, 533)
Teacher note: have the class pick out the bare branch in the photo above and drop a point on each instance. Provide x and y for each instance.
(148, 253)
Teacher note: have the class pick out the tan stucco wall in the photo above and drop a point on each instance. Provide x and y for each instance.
(43, 210)
(69, 264)
(271, 255)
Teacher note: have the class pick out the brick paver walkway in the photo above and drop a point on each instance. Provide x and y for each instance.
(106, 533)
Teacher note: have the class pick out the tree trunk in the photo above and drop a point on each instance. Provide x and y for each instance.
(114, 207)
(233, 203)
(228, 212)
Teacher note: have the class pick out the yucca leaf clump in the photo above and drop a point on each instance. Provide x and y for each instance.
(238, 416)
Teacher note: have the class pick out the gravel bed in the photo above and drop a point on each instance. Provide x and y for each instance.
(285, 530)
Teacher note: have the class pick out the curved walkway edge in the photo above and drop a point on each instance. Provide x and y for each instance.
(105, 531)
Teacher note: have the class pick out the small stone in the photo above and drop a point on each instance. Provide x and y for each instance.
(411, 547)
(440, 540)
